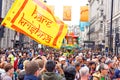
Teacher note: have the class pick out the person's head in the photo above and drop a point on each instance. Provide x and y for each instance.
(84, 71)
(40, 63)
(9, 52)
(70, 73)
(24, 54)
(80, 59)
(2, 65)
(24, 63)
(9, 68)
(104, 69)
(77, 66)
(109, 63)
(62, 59)
(92, 65)
(118, 58)
(21, 75)
(50, 65)
(102, 59)
(32, 68)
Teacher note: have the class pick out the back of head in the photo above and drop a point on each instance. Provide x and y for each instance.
(7, 67)
(103, 66)
(77, 64)
(70, 73)
(40, 63)
(84, 71)
(21, 75)
(24, 63)
(31, 67)
(50, 65)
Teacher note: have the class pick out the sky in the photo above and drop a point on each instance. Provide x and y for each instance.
(75, 9)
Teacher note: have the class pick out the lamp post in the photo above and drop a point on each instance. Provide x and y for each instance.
(111, 36)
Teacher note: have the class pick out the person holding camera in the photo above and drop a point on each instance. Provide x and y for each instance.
(49, 71)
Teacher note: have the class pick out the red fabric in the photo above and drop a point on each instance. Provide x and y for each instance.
(16, 64)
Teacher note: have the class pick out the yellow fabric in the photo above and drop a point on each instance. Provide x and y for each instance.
(12, 59)
(52, 8)
(34, 19)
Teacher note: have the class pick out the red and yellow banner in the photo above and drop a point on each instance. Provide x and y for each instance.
(67, 13)
(84, 14)
(34, 19)
(52, 8)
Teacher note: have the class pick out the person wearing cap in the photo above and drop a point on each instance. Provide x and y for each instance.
(62, 61)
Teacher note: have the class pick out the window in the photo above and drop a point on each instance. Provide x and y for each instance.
(101, 13)
(101, 24)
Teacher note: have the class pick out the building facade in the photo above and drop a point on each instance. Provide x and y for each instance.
(10, 38)
(115, 21)
(8, 35)
(100, 16)
(96, 19)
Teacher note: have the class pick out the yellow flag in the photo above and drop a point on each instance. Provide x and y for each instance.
(84, 13)
(34, 19)
(52, 8)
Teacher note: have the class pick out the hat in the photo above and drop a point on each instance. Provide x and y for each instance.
(80, 54)
(61, 58)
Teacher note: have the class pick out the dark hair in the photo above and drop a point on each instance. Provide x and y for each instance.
(77, 64)
(70, 73)
(7, 67)
(91, 63)
(21, 75)
(50, 65)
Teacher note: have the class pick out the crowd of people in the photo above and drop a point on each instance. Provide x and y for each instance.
(52, 64)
